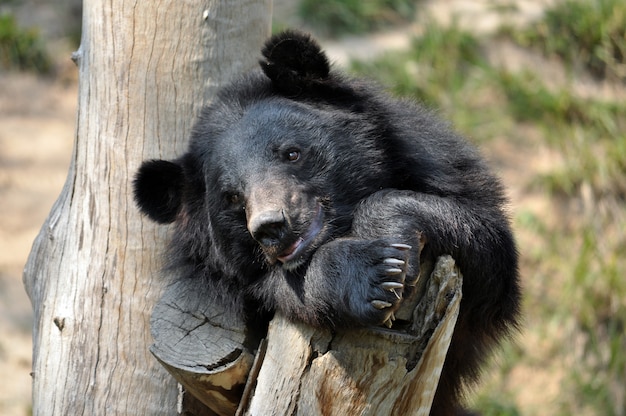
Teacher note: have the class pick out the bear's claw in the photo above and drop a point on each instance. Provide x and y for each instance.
(395, 269)
(394, 262)
(389, 321)
(392, 285)
(397, 265)
(381, 304)
(403, 247)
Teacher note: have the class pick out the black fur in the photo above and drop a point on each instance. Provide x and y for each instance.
(294, 61)
(157, 190)
(300, 185)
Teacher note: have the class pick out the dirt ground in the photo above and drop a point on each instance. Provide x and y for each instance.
(36, 137)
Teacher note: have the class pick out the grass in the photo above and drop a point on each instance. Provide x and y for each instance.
(426, 73)
(21, 49)
(587, 33)
(590, 133)
(455, 83)
(574, 256)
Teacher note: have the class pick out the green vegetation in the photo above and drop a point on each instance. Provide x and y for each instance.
(574, 250)
(424, 71)
(491, 407)
(21, 49)
(590, 133)
(588, 33)
(456, 83)
(355, 16)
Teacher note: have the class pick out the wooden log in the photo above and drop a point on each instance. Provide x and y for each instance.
(205, 352)
(309, 371)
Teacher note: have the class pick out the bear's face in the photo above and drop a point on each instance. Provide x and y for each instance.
(274, 173)
(274, 185)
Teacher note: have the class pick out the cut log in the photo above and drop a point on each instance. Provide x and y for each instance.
(202, 350)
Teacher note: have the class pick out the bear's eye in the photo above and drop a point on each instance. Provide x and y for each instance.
(292, 155)
(234, 199)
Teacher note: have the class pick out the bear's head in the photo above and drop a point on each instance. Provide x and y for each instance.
(275, 166)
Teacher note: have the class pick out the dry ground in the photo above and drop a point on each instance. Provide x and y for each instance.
(36, 136)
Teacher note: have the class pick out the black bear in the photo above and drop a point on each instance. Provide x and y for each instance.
(309, 192)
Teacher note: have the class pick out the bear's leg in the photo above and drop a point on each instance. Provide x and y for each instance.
(479, 239)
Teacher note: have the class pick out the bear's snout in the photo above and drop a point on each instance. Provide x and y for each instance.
(268, 227)
(284, 238)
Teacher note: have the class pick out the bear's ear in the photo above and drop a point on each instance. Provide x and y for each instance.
(293, 61)
(158, 189)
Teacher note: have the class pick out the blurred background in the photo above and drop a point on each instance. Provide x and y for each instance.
(538, 85)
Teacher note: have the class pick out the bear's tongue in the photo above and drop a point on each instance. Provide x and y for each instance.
(286, 255)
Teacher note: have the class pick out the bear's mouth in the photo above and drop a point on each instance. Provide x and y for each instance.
(292, 256)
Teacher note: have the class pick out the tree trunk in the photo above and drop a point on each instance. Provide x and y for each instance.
(145, 69)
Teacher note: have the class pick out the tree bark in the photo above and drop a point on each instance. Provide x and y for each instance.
(145, 70)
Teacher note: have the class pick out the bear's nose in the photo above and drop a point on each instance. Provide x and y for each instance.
(267, 227)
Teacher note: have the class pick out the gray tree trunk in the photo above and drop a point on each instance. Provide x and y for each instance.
(145, 69)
